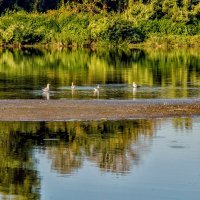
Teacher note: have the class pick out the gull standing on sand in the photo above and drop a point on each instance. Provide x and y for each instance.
(46, 89)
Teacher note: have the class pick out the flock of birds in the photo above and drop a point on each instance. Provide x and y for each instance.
(96, 89)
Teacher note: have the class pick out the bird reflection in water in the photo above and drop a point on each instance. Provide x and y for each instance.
(72, 93)
(134, 91)
(46, 95)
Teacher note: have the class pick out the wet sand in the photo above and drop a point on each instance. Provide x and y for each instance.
(65, 110)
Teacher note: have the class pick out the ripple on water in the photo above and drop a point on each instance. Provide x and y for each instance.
(177, 146)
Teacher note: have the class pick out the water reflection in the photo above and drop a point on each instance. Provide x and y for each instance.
(161, 74)
(111, 146)
(134, 92)
(46, 95)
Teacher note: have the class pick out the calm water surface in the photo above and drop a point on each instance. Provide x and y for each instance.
(159, 73)
(136, 159)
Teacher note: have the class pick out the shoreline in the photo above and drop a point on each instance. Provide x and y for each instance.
(85, 110)
(142, 45)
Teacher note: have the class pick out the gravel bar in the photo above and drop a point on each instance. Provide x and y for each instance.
(68, 110)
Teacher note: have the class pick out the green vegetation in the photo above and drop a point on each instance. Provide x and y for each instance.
(111, 146)
(101, 22)
(30, 69)
(107, 144)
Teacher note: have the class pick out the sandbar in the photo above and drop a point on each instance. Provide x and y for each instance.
(69, 110)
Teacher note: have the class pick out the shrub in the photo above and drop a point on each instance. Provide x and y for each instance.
(115, 31)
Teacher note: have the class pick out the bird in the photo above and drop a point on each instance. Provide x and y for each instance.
(73, 86)
(134, 85)
(46, 89)
(96, 89)
(46, 95)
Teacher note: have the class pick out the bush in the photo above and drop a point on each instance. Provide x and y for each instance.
(115, 31)
(22, 34)
(168, 27)
(68, 27)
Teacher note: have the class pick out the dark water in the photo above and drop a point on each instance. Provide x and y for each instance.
(159, 73)
(136, 159)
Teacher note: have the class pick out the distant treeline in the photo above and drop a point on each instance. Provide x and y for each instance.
(109, 5)
(44, 5)
(100, 22)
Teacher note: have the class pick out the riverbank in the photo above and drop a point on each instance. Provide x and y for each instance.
(67, 27)
(67, 110)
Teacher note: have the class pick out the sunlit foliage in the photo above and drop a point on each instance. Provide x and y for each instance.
(31, 69)
(100, 22)
(106, 144)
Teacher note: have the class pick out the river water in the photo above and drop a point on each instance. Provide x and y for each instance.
(131, 159)
(140, 159)
(158, 73)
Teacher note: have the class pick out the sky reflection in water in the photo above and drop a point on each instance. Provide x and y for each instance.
(141, 159)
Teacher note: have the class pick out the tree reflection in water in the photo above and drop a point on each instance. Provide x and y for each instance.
(113, 146)
(161, 73)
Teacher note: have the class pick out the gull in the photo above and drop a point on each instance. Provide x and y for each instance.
(96, 89)
(46, 89)
(134, 85)
(73, 86)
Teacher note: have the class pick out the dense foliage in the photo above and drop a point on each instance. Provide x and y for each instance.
(100, 22)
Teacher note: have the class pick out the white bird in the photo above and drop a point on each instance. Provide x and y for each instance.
(134, 85)
(73, 86)
(96, 89)
(46, 89)
(46, 95)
